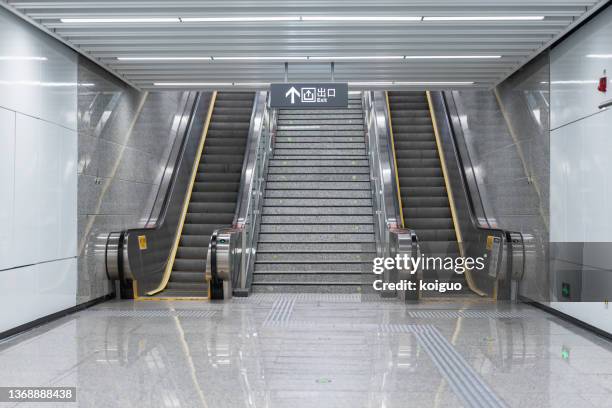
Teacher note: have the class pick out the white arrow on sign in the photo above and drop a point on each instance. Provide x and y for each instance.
(293, 92)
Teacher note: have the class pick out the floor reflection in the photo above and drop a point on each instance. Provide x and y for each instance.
(334, 351)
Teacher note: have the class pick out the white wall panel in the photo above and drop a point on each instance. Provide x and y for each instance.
(7, 186)
(581, 181)
(27, 190)
(574, 75)
(36, 291)
(38, 76)
(68, 196)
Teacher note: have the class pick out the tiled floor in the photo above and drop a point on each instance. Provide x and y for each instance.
(313, 351)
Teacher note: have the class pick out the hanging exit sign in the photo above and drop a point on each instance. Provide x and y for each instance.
(309, 96)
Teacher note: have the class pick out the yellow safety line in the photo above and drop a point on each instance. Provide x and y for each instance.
(399, 195)
(449, 192)
(179, 230)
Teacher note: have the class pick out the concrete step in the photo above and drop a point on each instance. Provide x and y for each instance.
(319, 177)
(314, 202)
(314, 228)
(306, 268)
(318, 211)
(315, 238)
(345, 247)
(318, 185)
(314, 258)
(317, 219)
(325, 193)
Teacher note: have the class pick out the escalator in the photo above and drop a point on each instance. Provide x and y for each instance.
(213, 198)
(316, 233)
(425, 200)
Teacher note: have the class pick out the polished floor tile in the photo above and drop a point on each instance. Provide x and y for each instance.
(313, 350)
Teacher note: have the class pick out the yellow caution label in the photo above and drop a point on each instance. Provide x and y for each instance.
(490, 240)
(142, 242)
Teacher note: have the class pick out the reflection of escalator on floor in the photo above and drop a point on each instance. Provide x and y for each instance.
(213, 198)
(425, 200)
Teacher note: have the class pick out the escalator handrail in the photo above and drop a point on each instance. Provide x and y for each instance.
(461, 162)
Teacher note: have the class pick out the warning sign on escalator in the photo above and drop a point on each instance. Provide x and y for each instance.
(308, 96)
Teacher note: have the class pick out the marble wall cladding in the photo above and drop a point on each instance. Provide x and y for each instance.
(507, 133)
(125, 137)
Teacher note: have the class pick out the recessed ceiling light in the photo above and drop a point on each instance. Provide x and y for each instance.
(122, 20)
(361, 18)
(413, 83)
(192, 84)
(484, 18)
(452, 56)
(358, 57)
(238, 19)
(164, 58)
(599, 56)
(263, 58)
(21, 58)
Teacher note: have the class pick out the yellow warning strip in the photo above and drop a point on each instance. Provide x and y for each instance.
(449, 192)
(399, 195)
(179, 230)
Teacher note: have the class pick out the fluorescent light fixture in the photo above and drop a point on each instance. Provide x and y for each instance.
(361, 18)
(21, 58)
(238, 19)
(358, 57)
(452, 56)
(599, 56)
(575, 82)
(192, 84)
(212, 84)
(305, 58)
(122, 20)
(254, 58)
(484, 18)
(412, 83)
(164, 58)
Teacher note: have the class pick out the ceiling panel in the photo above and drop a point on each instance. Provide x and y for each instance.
(488, 42)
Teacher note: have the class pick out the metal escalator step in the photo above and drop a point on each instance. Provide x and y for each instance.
(416, 154)
(412, 128)
(415, 145)
(198, 241)
(214, 197)
(425, 212)
(201, 229)
(414, 136)
(424, 191)
(218, 158)
(188, 277)
(220, 168)
(218, 177)
(429, 223)
(207, 207)
(189, 265)
(420, 172)
(223, 150)
(190, 286)
(211, 186)
(426, 235)
(416, 120)
(186, 252)
(215, 133)
(416, 163)
(210, 218)
(422, 181)
(426, 201)
(216, 186)
(397, 113)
